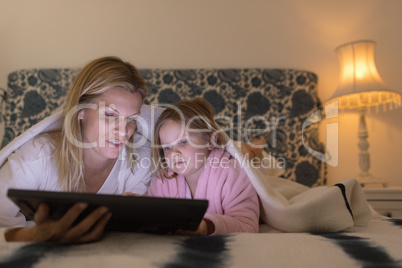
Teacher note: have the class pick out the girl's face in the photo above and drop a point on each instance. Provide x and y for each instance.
(109, 123)
(185, 150)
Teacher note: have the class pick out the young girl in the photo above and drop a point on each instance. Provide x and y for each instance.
(190, 157)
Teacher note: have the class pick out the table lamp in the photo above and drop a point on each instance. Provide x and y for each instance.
(361, 87)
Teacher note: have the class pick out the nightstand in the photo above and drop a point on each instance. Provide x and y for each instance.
(386, 201)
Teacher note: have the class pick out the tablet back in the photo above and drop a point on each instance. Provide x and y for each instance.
(129, 213)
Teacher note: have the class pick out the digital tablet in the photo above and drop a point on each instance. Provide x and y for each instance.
(129, 213)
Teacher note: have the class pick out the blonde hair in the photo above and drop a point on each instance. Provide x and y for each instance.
(94, 79)
(196, 114)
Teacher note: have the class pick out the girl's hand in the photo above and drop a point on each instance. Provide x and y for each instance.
(129, 194)
(46, 228)
(253, 150)
(201, 231)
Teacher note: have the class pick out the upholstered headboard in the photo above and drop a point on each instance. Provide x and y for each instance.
(269, 103)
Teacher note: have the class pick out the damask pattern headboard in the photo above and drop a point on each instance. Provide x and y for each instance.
(248, 103)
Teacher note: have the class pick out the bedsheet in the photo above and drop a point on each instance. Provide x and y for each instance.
(377, 245)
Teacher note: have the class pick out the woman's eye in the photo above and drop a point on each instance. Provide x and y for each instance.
(183, 142)
(131, 120)
(167, 148)
(110, 116)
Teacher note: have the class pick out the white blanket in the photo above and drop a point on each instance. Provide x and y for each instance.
(286, 205)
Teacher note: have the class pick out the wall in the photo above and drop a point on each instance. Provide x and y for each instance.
(226, 33)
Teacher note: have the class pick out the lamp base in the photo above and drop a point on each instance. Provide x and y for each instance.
(370, 181)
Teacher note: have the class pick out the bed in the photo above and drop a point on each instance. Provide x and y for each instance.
(276, 104)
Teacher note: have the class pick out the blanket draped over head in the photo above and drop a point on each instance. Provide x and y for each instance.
(285, 205)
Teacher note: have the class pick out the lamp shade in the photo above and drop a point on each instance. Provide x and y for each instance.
(360, 85)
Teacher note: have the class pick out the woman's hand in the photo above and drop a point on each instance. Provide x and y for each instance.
(46, 228)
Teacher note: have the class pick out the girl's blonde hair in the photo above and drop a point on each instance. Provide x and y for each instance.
(94, 79)
(195, 114)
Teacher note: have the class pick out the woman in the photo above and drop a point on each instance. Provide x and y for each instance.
(88, 154)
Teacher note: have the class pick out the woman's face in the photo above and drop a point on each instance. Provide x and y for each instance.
(109, 123)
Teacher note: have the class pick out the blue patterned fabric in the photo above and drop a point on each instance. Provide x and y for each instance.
(248, 103)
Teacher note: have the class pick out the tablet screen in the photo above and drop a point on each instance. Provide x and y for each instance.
(129, 213)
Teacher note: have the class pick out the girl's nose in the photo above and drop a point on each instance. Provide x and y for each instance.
(175, 151)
